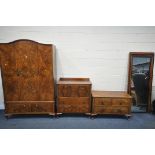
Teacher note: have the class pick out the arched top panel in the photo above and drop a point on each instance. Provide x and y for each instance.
(25, 40)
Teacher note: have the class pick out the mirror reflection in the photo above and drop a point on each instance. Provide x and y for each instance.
(139, 84)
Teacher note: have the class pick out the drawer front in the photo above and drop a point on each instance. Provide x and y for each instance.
(73, 108)
(120, 102)
(24, 108)
(74, 101)
(74, 90)
(42, 107)
(102, 101)
(110, 110)
(17, 108)
(73, 105)
(111, 102)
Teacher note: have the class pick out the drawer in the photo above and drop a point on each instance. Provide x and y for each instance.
(73, 108)
(102, 101)
(120, 102)
(84, 90)
(110, 110)
(17, 108)
(74, 101)
(74, 90)
(29, 107)
(42, 107)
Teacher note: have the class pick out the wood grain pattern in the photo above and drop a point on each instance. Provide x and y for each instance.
(110, 94)
(111, 102)
(78, 90)
(27, 75)
(74, 95)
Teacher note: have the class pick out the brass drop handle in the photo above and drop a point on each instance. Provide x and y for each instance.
(36, 105)
(24, 105)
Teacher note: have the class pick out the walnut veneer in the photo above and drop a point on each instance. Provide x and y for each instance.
(28, 71)
(111, 102)
(74, 95)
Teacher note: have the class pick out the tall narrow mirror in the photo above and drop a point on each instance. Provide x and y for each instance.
(140, 80)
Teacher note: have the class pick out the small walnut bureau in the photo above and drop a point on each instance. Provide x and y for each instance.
(74, 95)
(111, 102)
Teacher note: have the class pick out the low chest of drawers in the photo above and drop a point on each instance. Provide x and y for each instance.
(111, 102)
(73, 95)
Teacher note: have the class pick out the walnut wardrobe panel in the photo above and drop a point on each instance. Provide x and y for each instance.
(28, 77)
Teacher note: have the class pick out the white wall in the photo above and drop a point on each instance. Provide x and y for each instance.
(100, 53)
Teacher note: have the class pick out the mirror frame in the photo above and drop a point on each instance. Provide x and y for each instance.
(142, 54)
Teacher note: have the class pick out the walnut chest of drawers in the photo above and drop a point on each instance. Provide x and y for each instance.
(111, 102)
(74, 95)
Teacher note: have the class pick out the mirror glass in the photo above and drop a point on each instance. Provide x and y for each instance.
(139, 84)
